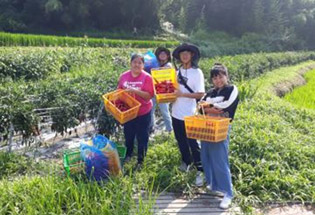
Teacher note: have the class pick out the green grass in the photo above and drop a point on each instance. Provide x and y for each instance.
(273, 145)
(271, 154)
(56, 195)
(9, 39)
(13, 165)
(304, 96)
(27, 187)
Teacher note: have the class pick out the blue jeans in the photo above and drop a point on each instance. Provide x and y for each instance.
(164, 108)
(216, 167)
(138, 128)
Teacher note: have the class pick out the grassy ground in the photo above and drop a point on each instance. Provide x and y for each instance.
(271, 154)
(273, 146)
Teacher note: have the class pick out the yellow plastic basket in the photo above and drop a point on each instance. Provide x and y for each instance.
(121, 117)
(207, 128)
(164, 74)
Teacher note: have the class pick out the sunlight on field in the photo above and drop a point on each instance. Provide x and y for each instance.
(304, 96)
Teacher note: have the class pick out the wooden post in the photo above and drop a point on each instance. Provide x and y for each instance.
(11, 133)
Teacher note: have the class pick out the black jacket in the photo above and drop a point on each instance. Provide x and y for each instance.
(226, 99)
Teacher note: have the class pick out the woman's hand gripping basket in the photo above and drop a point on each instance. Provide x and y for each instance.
(121, 105)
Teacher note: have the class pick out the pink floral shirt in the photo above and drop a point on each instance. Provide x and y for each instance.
(143, 82)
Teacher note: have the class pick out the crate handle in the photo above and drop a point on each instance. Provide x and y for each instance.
(123, 90)
(203, 110)
(157, 82)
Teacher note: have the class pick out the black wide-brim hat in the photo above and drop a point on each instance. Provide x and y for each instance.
(187, 47)
(163, 49)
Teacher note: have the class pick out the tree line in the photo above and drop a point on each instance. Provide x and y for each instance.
(282, 19)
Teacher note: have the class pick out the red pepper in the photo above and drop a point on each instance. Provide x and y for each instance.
(164, 87)
(121, 105)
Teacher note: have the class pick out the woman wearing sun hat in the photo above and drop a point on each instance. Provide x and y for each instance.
(191, 88)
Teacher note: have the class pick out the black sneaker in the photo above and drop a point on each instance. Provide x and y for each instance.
(152, 130)
(127, 159)
(139, 166)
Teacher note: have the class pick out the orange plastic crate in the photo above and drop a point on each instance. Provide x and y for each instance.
(207, 128)
(121, 117)
(164, 74)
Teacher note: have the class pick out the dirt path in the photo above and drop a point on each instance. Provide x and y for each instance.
(287, 86)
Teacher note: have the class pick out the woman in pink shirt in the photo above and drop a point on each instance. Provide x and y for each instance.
(139, 84)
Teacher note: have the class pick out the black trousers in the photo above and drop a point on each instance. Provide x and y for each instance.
(188, 148)
(138, 128)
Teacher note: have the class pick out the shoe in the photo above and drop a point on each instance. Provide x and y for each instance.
(183, 167)
(127, 159)
(209, 187)
(189, 167)
(139, 166)
(199, 179)
(169, 131)
(226, 202)
(212, 192)
(152, 130)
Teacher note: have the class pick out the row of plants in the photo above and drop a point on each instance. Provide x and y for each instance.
(10, 39)
(271, 156)
(70, 100)
(70, 81)
(37, 63)
(304, 96)
(249, 66)
(76, 94)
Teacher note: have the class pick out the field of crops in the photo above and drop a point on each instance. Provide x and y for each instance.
(8, 39)
(70, 81)
(272, 146)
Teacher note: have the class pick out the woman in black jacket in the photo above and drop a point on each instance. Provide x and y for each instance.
(222, 100)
